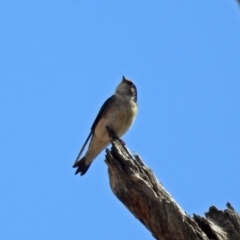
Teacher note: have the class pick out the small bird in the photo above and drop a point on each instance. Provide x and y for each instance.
(118, 112)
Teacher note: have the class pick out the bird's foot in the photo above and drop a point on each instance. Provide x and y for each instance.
(123, 143)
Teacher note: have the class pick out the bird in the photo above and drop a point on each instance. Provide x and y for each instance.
(118, 113)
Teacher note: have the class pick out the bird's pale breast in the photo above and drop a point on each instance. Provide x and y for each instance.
(119, 117)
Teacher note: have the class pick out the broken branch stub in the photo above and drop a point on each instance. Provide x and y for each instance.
(135, 185)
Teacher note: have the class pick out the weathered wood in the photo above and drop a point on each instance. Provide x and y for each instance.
(219, 224)
(135, 185)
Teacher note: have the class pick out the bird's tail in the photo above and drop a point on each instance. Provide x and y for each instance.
(81, 166)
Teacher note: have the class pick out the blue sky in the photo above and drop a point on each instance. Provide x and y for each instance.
(60, 60)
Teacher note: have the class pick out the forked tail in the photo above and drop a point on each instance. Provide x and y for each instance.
(81, 166)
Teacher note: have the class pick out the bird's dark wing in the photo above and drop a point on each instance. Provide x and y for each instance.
(84, 145)
(102, 111)
(100, 114)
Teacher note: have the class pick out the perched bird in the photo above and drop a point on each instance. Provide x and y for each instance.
(118, 112)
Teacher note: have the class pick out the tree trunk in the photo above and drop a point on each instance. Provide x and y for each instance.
(138, 189)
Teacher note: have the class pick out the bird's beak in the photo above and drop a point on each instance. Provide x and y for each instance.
(123, 78)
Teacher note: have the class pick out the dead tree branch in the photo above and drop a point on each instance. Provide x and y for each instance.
(135, 185)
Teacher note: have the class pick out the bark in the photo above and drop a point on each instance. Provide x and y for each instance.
(135, 185)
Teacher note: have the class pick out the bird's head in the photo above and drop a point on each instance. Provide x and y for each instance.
(127, 89)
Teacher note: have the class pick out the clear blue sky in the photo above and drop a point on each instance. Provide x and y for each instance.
(60, 60)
